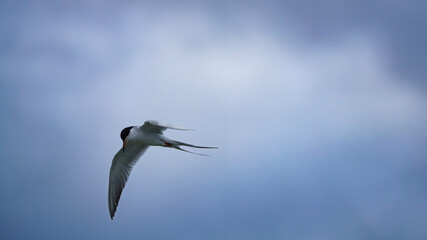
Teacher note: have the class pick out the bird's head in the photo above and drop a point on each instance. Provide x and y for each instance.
(124, 136)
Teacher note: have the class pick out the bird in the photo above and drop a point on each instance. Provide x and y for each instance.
(136, 140)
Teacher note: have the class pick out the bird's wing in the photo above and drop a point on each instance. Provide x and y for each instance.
(120, 170)
(158, 127)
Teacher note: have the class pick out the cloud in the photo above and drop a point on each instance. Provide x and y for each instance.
(315, 139)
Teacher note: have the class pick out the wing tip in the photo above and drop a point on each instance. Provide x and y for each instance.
(167, 125)
(112, 213)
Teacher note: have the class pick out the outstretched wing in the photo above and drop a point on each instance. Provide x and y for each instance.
(154, 126)
(121, 167)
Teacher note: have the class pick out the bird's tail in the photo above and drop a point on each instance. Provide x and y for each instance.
(177, 144)
(193, 146)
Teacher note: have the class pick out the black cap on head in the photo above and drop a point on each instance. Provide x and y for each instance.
(125, 132)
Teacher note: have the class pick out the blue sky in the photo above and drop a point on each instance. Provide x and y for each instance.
(318, 110)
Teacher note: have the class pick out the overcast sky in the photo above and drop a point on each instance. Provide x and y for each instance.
(317, 107)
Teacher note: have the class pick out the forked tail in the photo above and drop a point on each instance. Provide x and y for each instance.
(177, 144)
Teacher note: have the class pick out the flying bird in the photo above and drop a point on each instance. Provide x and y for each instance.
(136, 140)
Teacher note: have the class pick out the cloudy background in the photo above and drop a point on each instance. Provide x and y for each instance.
(318, 109)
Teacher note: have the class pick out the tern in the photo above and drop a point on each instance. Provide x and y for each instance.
(136, 140)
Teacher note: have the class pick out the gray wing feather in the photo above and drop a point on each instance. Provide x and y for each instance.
(158, 127)
(121, 167)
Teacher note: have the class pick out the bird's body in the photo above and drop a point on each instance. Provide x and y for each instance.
(146, 138)
(136, 140)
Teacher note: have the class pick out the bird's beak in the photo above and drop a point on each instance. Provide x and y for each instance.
(124, 144)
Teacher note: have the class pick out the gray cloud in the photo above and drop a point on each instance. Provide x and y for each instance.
(318, 139)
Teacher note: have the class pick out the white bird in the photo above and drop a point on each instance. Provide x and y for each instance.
(136, 140)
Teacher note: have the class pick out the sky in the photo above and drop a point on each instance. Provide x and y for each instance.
(317, 107)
